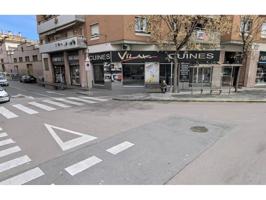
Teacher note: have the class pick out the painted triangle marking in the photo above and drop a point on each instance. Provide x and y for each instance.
(70, 143)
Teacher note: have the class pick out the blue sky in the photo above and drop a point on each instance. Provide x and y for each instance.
(25, 24)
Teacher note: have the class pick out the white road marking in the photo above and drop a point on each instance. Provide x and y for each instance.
(24, 177)
(70, 143)
(14, 163)
(82, 165)
(93, 98)
(68, 101)
(120, 147)
(82, 100)
(3, 135)
(56, 103)
(7, 141)
(9, 151)
(25, 109)
(42, 106)
(52, 92)
(7, 114)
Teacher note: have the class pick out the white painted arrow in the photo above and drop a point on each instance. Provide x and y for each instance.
(70, 143)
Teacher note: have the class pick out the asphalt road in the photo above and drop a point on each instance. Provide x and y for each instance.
(61, 137)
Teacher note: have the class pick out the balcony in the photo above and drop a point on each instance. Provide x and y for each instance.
(203, 37)
(59, 22)
(77, 42)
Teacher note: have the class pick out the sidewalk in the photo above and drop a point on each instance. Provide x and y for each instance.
(256, 95)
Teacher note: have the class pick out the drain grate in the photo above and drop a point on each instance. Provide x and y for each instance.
(199, 129)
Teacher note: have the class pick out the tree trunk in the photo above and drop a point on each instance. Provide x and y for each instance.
(176, 77)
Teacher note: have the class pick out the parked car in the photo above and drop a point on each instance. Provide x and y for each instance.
(28, 79)
(4, 96)
(3, 81)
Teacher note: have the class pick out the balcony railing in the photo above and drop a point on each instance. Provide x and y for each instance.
(77, 42)
(201, 36)
(58, 22)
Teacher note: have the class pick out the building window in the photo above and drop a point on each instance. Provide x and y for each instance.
(27, 58)
(95, 32)
(245, 26)
(263, 30)
(15, 60)
(20, 59)
(46, 66)
(141, 25)
(35, 58)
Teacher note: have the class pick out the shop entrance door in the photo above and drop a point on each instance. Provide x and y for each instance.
(165, 73)
(59, 74)
(74, 75)
(133, 74)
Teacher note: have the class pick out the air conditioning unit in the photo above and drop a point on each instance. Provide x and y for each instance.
(126, 47)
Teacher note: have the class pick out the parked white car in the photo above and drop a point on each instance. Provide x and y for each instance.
(4, 96)
(3, 81)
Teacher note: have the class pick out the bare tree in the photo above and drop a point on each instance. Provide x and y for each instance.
(250, 28)
(177, 30)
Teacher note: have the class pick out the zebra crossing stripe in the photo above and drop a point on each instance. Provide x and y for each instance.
(9, 151)
(56, 103)
(5, 142)
(93, 98)
(82, 165)
(24, 177)
(42, 106)
(3, 135)
(6, 113)
(82, 100)
(14, 163)
(25, 109)
(69, 102)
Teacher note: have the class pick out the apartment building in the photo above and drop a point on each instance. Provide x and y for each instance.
(63, 48)
(96, 50)
(19, 55)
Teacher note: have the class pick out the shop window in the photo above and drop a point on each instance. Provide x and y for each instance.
(133, 74)
(261, 74)
(95, 31)
(20, 59)
(98, 72)
(165, 73)
(141, 24)
(201, 75)
(15, 60)
(27, 58)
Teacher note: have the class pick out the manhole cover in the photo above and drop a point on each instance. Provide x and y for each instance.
(199, 129)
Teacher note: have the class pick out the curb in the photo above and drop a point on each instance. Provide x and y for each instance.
(197, 100)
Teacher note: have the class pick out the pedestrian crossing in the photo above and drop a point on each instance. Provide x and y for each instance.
(52, 104)
(12, 157)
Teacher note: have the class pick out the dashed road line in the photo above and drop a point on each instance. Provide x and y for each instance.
(25, 109)
(24, 177)
(68, 101)
(9, 151)
(42, 106)
(56, 103)
(83, 165)
(3, 135)
(94, 98)
(7, 141)
(120, 147)
(6, 113)
(14, 163)
(52, 92)
(82, 100)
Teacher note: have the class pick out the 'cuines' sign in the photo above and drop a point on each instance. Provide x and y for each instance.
(199, 57)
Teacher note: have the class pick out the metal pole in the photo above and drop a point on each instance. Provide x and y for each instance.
(230, 86)
(171, 81)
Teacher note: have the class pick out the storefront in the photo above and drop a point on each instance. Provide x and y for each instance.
(58, 68)
(73, 61)
(149, 68)
(261, 69)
